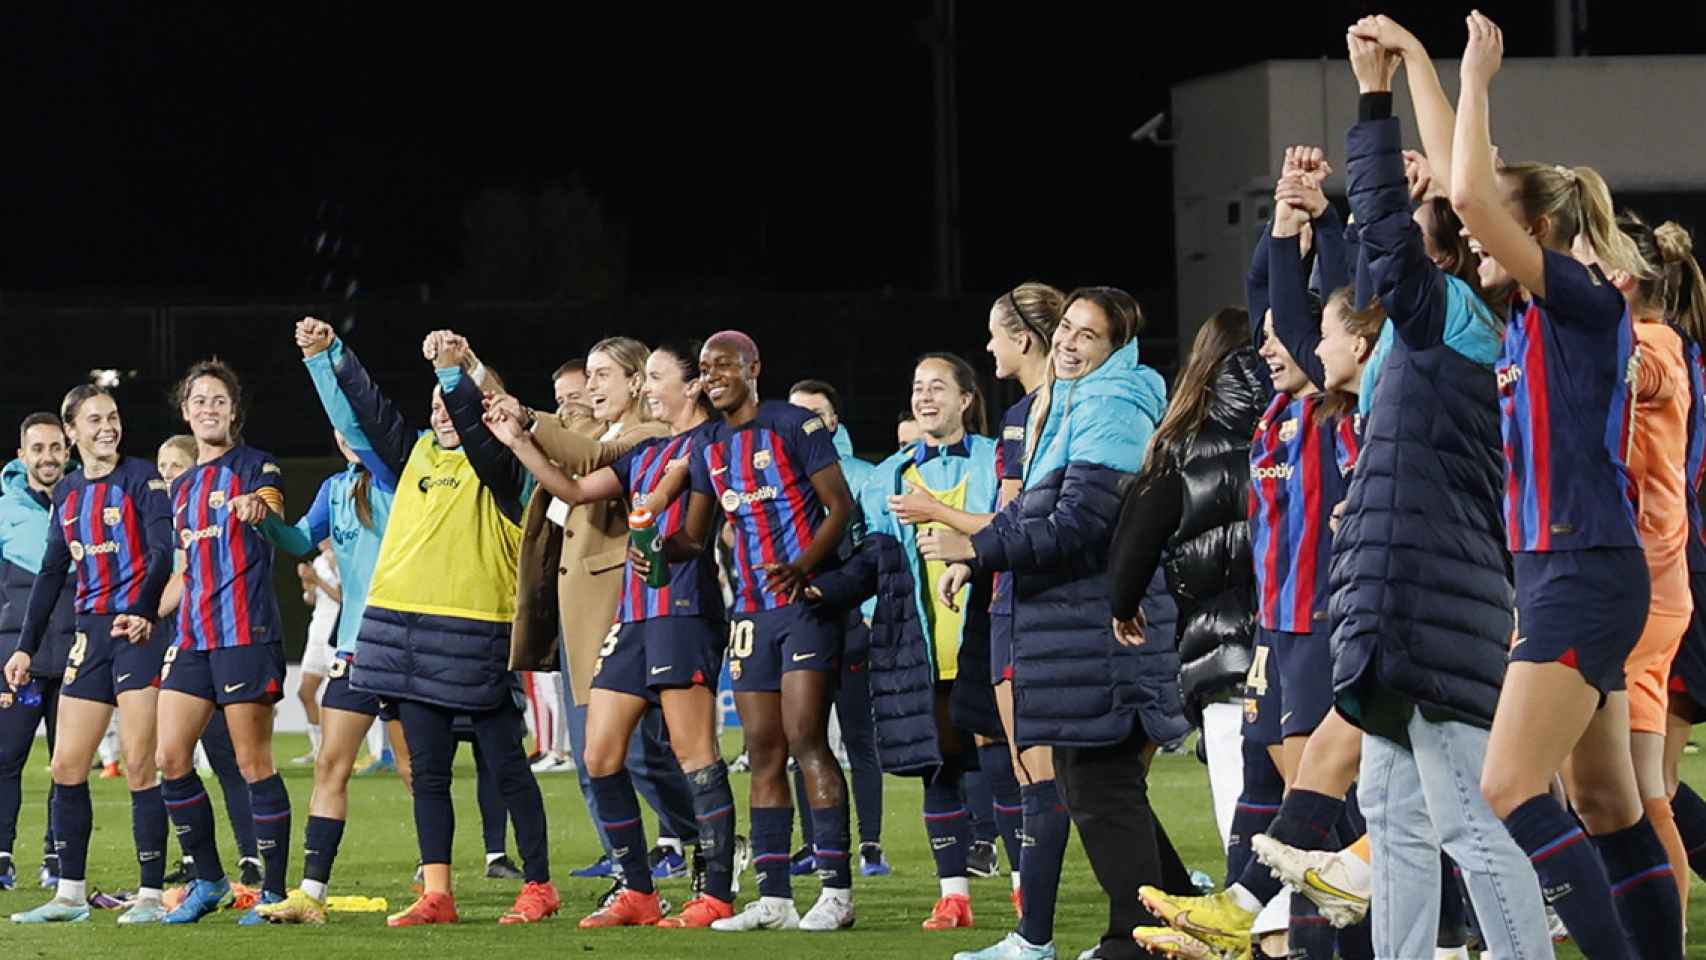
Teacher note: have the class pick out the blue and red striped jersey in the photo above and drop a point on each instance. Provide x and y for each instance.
(1348, 443)
(1695, 465)
(228, 596)
(692, 589)
(1010, 465)
(1566, 404)
(760, 474)
(108, 526)
(1295, 481)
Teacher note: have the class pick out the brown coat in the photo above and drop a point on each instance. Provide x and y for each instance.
(572, 577)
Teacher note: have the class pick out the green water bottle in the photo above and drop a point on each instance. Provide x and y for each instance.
(643, 532)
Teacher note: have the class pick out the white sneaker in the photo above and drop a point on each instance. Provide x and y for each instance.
(765, 913)
(833, 911)
(548, 763)
(743, 859)
(1319, 875)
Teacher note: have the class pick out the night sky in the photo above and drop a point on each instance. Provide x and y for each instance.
(168, 153)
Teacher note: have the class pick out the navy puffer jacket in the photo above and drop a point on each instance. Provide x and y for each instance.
(1421, 590)
(902, 658)
(1074, 685)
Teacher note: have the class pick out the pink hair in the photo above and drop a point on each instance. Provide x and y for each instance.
(736, 341)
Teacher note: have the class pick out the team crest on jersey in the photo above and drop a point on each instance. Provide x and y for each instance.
(111, 516)
(216, 499)
(734, 669)
(76, 551)
(1288, 430)
(761, 460)
(731, 501)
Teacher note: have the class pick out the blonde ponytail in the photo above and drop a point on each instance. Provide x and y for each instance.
(1685, 287)
(1597, 221)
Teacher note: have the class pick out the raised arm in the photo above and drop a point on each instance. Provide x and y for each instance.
(372, 415)
(498, 469)
(322, 352)
(1434, 117)
(1295, 324)
(1256, 289)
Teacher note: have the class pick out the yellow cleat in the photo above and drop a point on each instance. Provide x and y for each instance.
(296, 907)
(1216, 920)
(1167, 942)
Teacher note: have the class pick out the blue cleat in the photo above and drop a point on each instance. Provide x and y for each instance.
(54, 911)
(872, 863)
(49, 876)
(201, 899)
(803, 862)
(1011, 947)
(667, 863)
(8, 873)
(253, 918)
(596, 870)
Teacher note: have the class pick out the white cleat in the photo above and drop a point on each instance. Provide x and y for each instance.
(833, 911)
(765, 913)
(1320, 875)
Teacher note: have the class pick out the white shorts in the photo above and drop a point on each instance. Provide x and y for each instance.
(317, 656)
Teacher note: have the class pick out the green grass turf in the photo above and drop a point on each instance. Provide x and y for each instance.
(378, 858)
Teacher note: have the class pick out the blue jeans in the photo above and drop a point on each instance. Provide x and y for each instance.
(651, 765)
(1428, 797)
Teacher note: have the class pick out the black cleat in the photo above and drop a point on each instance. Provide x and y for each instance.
(184, 873)
(981, 860)
(503, 868)
(249, 873)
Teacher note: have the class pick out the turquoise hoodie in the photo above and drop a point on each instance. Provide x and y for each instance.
(1104, 418)
(23, 519)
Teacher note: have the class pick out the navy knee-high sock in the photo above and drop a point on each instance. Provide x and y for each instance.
(1644, 889)
(1047, 828)
(192, 817)
(1257, 806)
(832, 840)
(320, 848)
(997, 762)
(73, 819)
(272, 830)
(1310, 936)
(148, 828)
(714, 809)
(619, 814)
(1572, 876)
(947, 821)
(772, 827)
(980, 804)
(1690, 812)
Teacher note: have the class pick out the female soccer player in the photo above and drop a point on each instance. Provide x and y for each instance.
(175, 456)
(1582, 588)
(229, 655)
(111, 520)
(666, 647)
(352, 509)
(435, 632)
(1086, 435)
(929, 686)
(773, 471)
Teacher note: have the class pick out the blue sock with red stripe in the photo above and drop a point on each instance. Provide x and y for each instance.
(1048, 825)
(772, 828)
(947, 821)
(73, 821)
(192, 817)
(272, 830)
(1690, 813)
(1644, 889)
(1572, 876)
(619, 815)
(148, 829)
(1255, 811)
(997, 762)
(832, 845)
(714, 809)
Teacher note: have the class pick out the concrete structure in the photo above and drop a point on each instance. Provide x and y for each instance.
(1633, 118)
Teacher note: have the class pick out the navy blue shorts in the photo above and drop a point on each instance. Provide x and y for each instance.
(1582, 608)
(1306, 680)
(1688, 670)
(102, 666)
(251, 674)
(336, 694)
(663, 653)
(769, 643)
(1262, 693)
(1000, 647)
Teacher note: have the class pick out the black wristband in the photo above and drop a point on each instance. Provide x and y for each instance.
(1374, 106)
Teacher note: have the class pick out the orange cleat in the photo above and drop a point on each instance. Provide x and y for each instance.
(535, 902)
(111, 771)
(429, 909)
(631, 908)
(244, 898)
(699, 912)
(953, 910)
